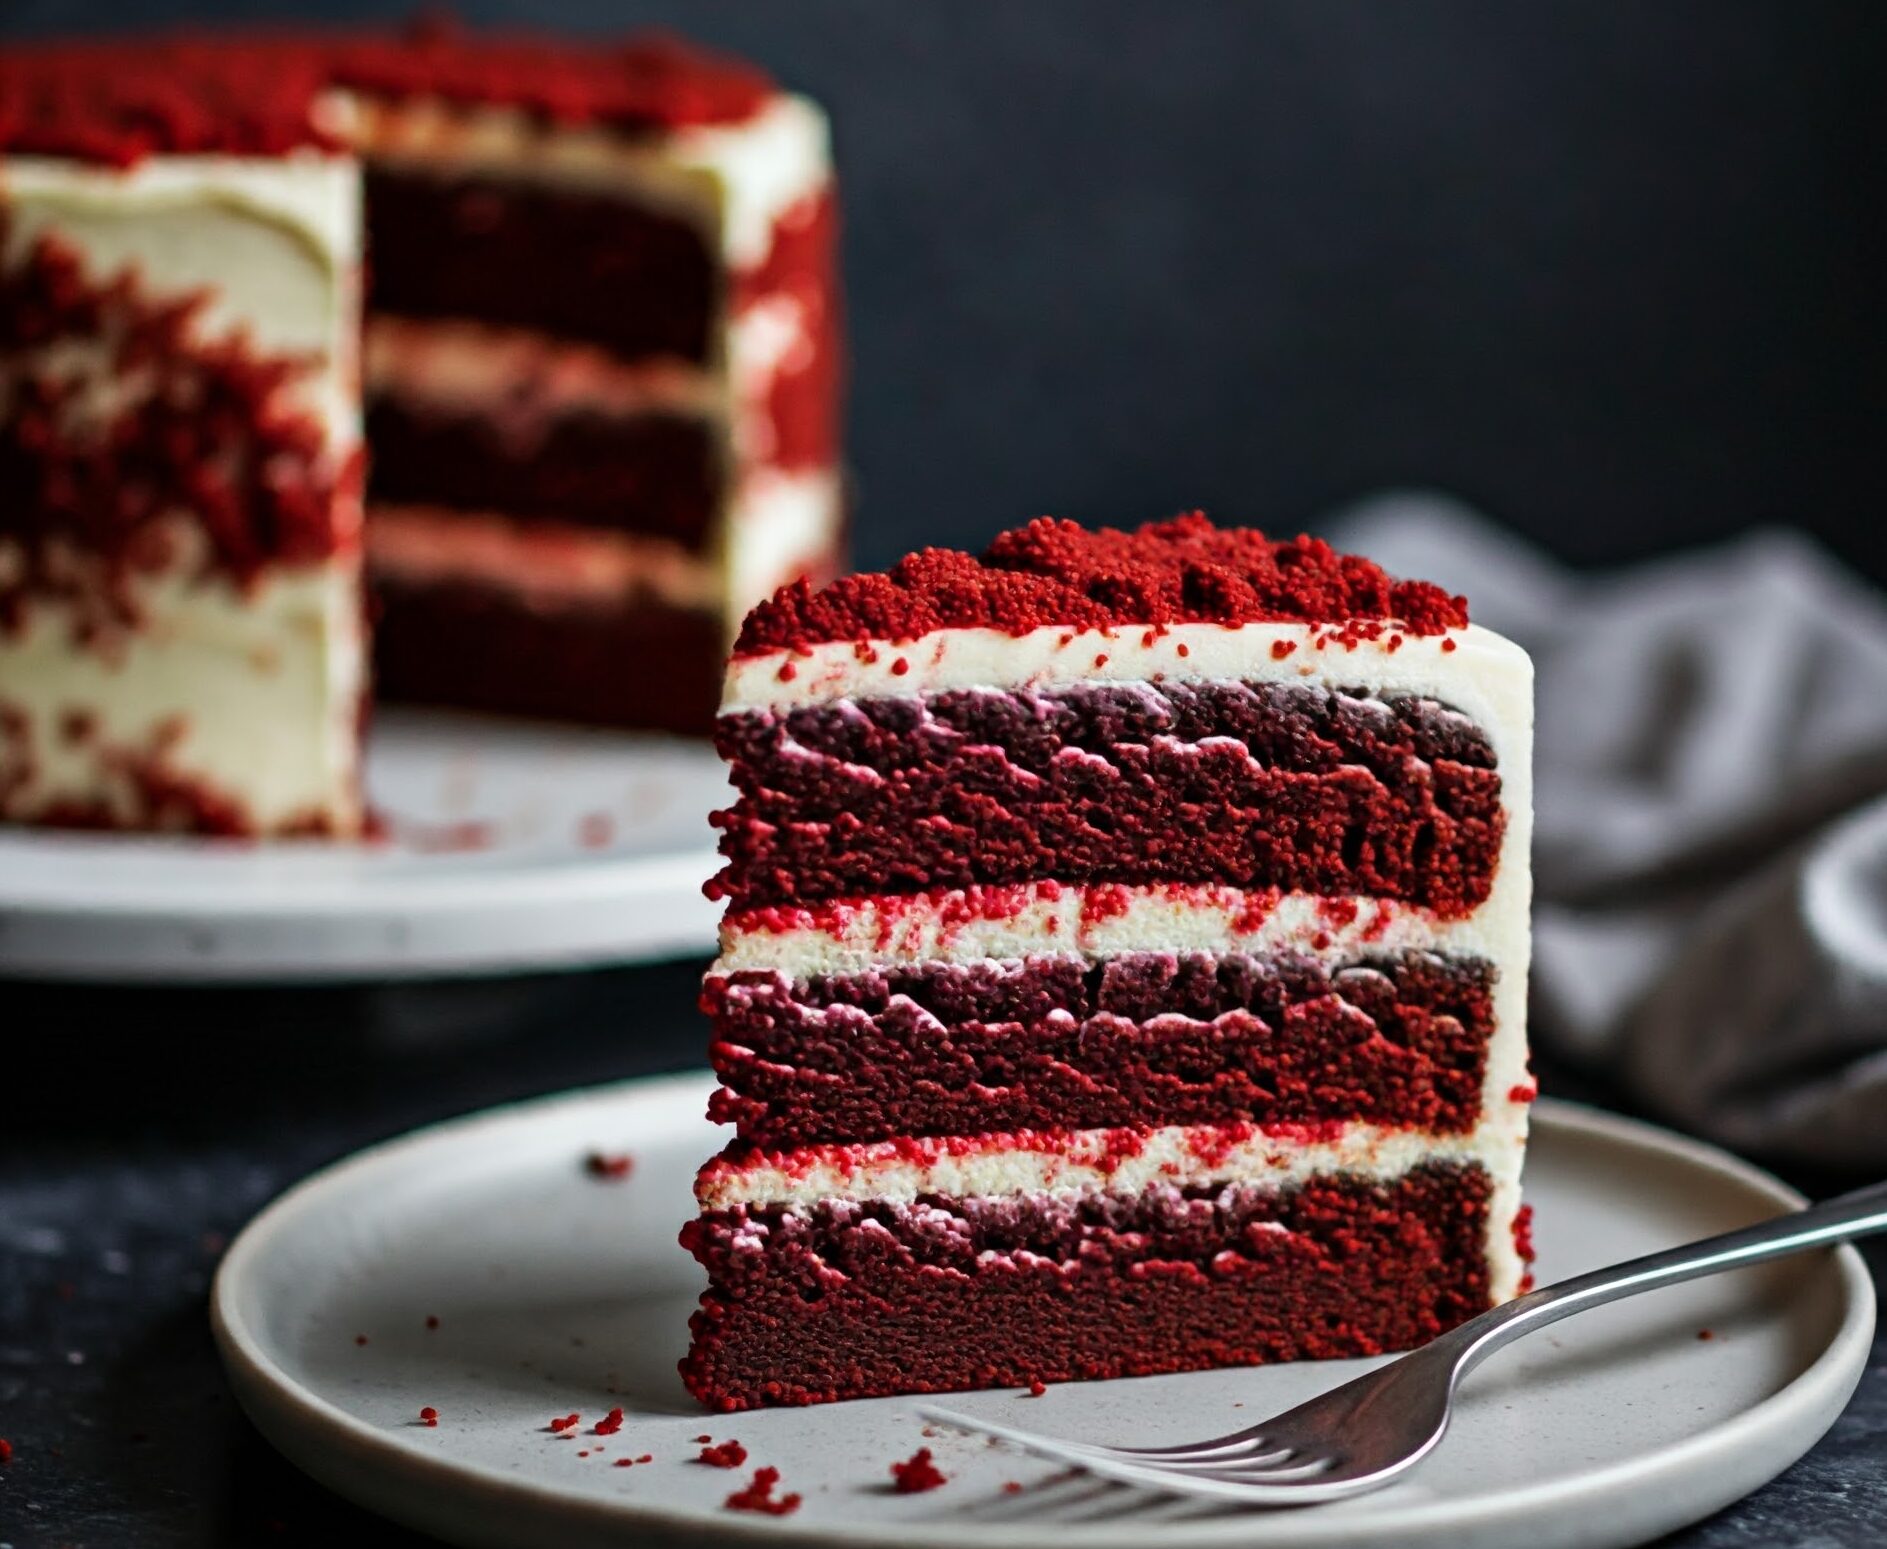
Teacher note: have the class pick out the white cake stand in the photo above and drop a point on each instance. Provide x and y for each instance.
(510, 846)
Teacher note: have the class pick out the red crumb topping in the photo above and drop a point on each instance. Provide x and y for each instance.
(1704, 1333)
(1523, 1092)
(1012, 1487)
(758, 1496)
(651, 82)
(704, 1438)
(917, 1473)
(565, 1422)
(117, 102)
(610, 1424)
(727, 1454)
(1056, 572)
(429, 1416)
(1037, 1387)
(1523, 1234)
(614, 1167)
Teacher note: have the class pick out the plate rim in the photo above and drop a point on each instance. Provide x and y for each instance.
(1823, 1385)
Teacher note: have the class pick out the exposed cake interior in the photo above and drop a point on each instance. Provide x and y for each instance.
(597, 355)
(1124, 969)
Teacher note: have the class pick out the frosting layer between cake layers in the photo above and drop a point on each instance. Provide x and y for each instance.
(1040, 945)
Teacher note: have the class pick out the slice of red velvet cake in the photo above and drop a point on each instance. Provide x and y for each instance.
(1124, 969)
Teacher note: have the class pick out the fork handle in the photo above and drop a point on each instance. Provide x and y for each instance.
(1835, 1220)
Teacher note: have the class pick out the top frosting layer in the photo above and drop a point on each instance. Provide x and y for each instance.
(119, 101)
(1184, 571)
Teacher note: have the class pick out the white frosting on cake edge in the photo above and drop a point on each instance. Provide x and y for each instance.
(272, 243)
(263, 684)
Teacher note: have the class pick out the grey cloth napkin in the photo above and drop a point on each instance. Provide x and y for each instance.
(1710, 842)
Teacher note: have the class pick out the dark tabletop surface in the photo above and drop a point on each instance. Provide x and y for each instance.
(140, 1128)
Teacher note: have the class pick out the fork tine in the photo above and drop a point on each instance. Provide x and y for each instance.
(1269, 1457)
(1217, 1446)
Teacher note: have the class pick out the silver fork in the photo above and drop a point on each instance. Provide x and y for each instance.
(1372, 1430)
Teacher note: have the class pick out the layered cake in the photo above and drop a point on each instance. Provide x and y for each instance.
(1123, 969)
(597, 371)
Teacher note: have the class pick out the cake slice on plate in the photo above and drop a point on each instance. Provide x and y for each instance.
(1124, 969)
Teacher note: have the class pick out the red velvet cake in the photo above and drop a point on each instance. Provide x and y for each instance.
(596, 369)
(1124, 969)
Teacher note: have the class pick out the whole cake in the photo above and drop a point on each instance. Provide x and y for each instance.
(1123, 970)
(596, 366)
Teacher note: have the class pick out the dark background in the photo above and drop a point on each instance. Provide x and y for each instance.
(1610, 271)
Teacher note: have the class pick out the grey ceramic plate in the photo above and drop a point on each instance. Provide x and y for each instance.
(556, 1292)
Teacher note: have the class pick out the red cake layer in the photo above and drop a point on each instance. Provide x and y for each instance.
(847, 1300)
(656, 473)
(119, 101)
(1152, 1038)
(1056, 572)
(1290, 786)
(626, 275)
(482, 647)
(201, 431)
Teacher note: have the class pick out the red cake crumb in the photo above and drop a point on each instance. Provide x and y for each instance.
(564, 1423)
(1012, 1487)
(704, 1438)
(759, 1496)
(1523, 1233)
(610, 1424)
(917, 1473)
(727, 1454)
(1057, 572)
(429, 1416)
(613, 1167)
(1523, 1092)
(1037, 1387)
(1704, 1333)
